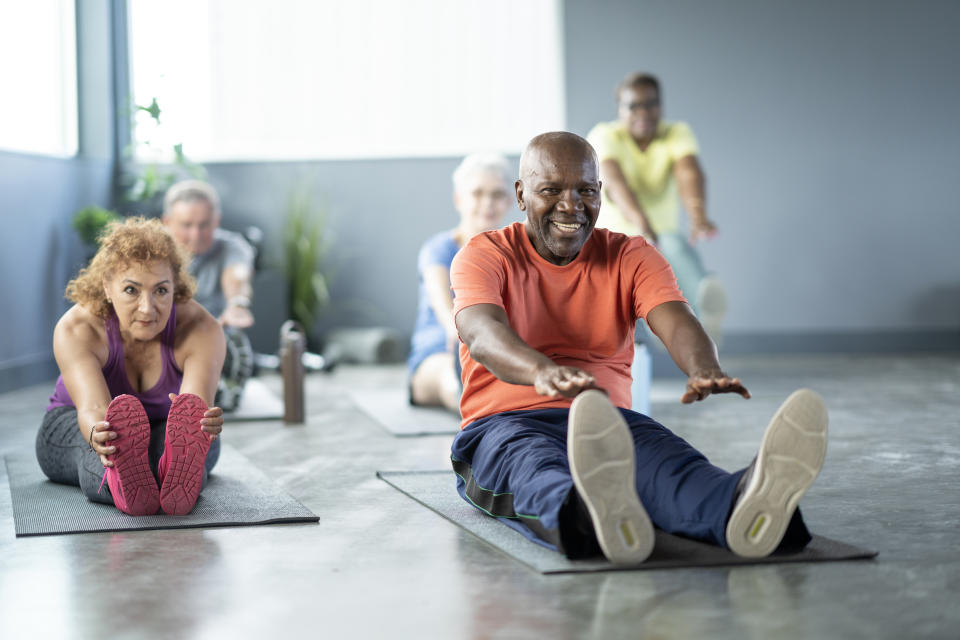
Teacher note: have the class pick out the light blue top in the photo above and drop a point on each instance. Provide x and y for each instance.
(429, 336)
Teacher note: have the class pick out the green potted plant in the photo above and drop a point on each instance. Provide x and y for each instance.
(89, 224)
(305, 249)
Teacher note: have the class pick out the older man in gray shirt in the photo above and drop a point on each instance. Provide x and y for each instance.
(222, 260)
(222, 263)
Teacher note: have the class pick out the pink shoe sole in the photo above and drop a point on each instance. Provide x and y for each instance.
(184, 454)
(131, 482)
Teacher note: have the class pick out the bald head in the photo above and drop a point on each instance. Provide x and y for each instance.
(548, 147)
(559, 190)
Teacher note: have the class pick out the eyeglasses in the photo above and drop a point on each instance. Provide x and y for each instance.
(646, 105)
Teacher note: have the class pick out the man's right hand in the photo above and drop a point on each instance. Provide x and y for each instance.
(563, 381)
(236, 316)
(702, 229)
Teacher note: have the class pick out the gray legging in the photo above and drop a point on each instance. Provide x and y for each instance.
(66, 458)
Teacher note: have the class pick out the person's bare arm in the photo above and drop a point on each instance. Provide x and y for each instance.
(436, 280)
(693, 351)
(492, 342)
(201, 349)
(80, 352)
(616, 187)
(235, 284)
(691, 186)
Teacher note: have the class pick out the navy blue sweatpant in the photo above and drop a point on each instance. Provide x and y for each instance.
(513, 466)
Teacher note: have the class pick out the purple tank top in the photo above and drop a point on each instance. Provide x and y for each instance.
(155, 399)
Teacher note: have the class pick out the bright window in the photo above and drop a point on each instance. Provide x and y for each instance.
(38, 77)
(300, 79)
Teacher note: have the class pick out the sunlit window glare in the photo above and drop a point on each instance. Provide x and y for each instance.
(38, 77)
(304, 79)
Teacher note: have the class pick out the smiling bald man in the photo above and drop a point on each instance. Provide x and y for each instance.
(545, 311)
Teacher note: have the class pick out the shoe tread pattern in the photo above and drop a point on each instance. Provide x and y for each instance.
(791, 455)
(185, 447)
(600, 450)
(134, 487)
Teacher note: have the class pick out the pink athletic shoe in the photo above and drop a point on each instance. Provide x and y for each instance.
(131, 482)
(184, 454)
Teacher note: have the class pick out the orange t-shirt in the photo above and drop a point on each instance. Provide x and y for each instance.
(579, 315)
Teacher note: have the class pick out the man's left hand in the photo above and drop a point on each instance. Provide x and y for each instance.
(702, 383)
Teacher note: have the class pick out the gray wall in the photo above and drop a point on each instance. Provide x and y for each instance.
(39, 251)
(827, 130)
(828, 133)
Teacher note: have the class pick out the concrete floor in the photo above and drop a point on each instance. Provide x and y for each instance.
(380, 566)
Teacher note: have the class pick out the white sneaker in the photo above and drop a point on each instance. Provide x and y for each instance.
(712, 306)
(790, 458)
(600, 451)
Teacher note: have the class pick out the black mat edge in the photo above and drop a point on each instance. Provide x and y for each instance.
(198, 525)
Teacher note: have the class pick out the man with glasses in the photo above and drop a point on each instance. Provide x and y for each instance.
(648, 167)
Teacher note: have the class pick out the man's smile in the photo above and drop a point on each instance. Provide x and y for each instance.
(572, 227)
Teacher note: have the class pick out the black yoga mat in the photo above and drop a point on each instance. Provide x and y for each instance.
(237, 494)
(392, 410)
(436, 490)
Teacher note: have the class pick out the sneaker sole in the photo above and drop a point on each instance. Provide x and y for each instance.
(135, 484)
(712, 307)
(186, 447)
(790, 458)
(602, 463)
(712, 296)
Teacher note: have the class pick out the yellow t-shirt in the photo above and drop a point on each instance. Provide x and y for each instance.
(649, 173)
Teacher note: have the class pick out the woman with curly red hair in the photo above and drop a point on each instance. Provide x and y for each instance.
(139, 362)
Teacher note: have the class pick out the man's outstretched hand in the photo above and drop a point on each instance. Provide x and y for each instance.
(702, 383)
(563, 381)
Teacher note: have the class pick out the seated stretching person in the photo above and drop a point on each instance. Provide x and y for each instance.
(221, 261)
(481, 195)
(546, 311)
(139, 360)
(645, 164)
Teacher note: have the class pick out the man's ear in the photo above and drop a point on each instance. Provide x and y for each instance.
(518, 187)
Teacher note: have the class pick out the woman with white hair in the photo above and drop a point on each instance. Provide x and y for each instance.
(482, 190)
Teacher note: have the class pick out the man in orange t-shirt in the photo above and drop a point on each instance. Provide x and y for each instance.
(545, 310)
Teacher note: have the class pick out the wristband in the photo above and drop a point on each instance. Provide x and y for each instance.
(239, 301)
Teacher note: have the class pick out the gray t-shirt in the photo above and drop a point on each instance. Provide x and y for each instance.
(229, 248)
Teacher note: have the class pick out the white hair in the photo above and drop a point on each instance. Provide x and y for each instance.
(480, 163)
(191, 191)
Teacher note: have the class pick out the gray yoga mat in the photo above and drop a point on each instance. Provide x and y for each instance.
(237, 494)
(436, 490)
(392, 410)
(258, 402)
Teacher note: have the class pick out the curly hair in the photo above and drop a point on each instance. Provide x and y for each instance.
(125, 242)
